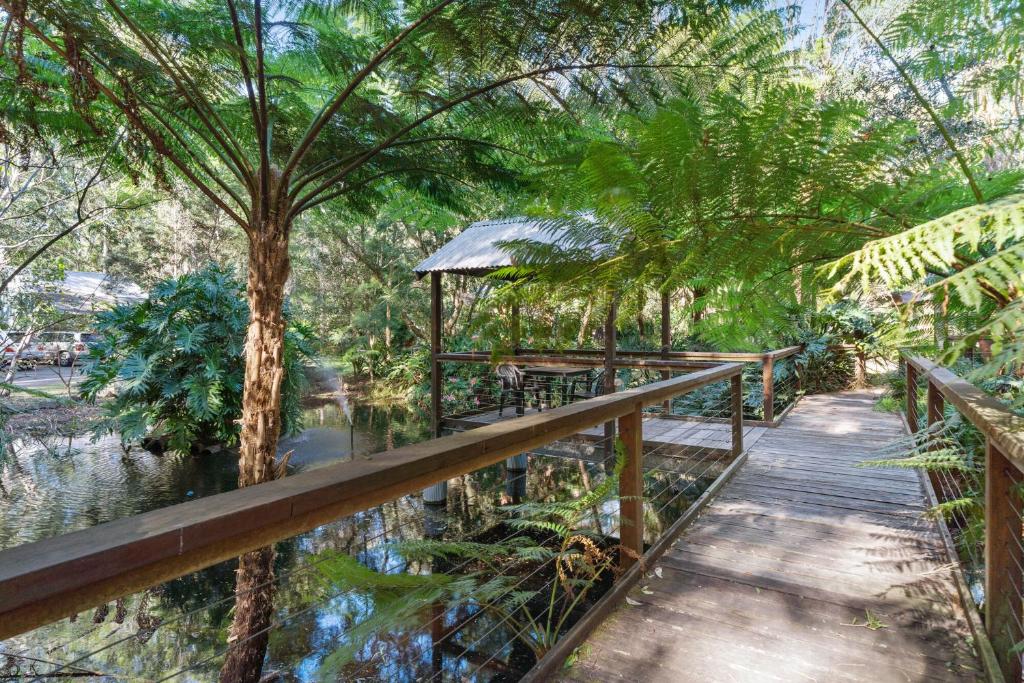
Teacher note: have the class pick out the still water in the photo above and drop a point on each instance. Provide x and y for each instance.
(329, 624)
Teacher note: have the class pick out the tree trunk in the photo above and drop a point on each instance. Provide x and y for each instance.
(261, 428)
(250, 629)
(585, 324)
(697, 314)
(264, 357)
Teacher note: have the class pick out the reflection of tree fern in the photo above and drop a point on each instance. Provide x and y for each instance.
(386, 596)
(496, 579)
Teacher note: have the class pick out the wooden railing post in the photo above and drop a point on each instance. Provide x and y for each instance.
(631, 486)
(768, 380)
(911, 397)
(1003, 560)
(609, 368)
(936, 405)
(737, 414)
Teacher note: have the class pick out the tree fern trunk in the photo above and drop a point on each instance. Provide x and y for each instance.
(261, 428)
(250, 629)
(264, 357)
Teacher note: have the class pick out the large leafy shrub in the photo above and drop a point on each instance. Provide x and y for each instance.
(175, 366)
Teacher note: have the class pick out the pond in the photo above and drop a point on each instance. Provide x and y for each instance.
(328, 623)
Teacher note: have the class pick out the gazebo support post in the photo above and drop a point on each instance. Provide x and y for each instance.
(609, 370)
(517, 463)
(437, 494)
(435, 350)
(517, 333)
(666, 342)
(519, 396)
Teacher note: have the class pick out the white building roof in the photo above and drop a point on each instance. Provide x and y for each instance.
(83, 291)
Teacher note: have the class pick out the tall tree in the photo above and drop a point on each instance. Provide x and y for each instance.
(272, 108)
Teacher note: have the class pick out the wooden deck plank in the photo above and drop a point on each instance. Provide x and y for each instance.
(775, 581)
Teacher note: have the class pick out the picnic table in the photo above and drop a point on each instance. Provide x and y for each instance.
(548, 374)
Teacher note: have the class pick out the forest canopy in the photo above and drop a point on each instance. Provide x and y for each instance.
(830, 174)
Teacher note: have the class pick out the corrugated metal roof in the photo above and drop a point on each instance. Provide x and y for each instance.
(476, 249)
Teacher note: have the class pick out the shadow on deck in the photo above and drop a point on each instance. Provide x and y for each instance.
(805, 567)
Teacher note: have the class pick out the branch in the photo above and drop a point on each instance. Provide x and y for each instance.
(869, 229)
(923, 101)
(192, 94)
(345, 189)
(197, 158)
(494, 85)
(327, 166)
(82, 220)
(332, 107)
(243, 63)
(262, 131)
(159, 144)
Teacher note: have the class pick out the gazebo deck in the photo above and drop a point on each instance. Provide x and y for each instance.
(659, 433)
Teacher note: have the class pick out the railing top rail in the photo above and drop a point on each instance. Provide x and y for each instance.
(46, 580)
(997, 422)
(700, 356)
(652, 363)
(786, 352)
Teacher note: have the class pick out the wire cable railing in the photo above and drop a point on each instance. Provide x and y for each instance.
(59, 577)
(973, 448)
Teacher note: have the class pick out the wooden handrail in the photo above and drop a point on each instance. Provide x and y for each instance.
(713, 356)
(664, 361)
(46, 580)
(654, 363)
(992, 418)
(1004, 472)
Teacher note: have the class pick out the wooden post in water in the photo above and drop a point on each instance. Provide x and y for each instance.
(519, 395)
(911, 397)
(666, 343)
(436, 494)
(1003, 560)
(737, 414)
(768, 380)
(631, 487)
(609, 370)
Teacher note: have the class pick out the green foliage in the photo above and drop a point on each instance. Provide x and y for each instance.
(553, 537)
(978, 254)
(955, 448)
(175, 363)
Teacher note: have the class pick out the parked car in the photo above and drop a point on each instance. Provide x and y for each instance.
(36, 351)
(66, 348)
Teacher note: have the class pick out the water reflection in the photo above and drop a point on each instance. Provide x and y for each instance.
(322, 629)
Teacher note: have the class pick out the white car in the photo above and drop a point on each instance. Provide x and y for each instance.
(66, 348)
(35, 351)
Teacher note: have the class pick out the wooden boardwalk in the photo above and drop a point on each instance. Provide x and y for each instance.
(805, 568)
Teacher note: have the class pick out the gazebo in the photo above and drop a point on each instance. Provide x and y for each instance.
(480, 250)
